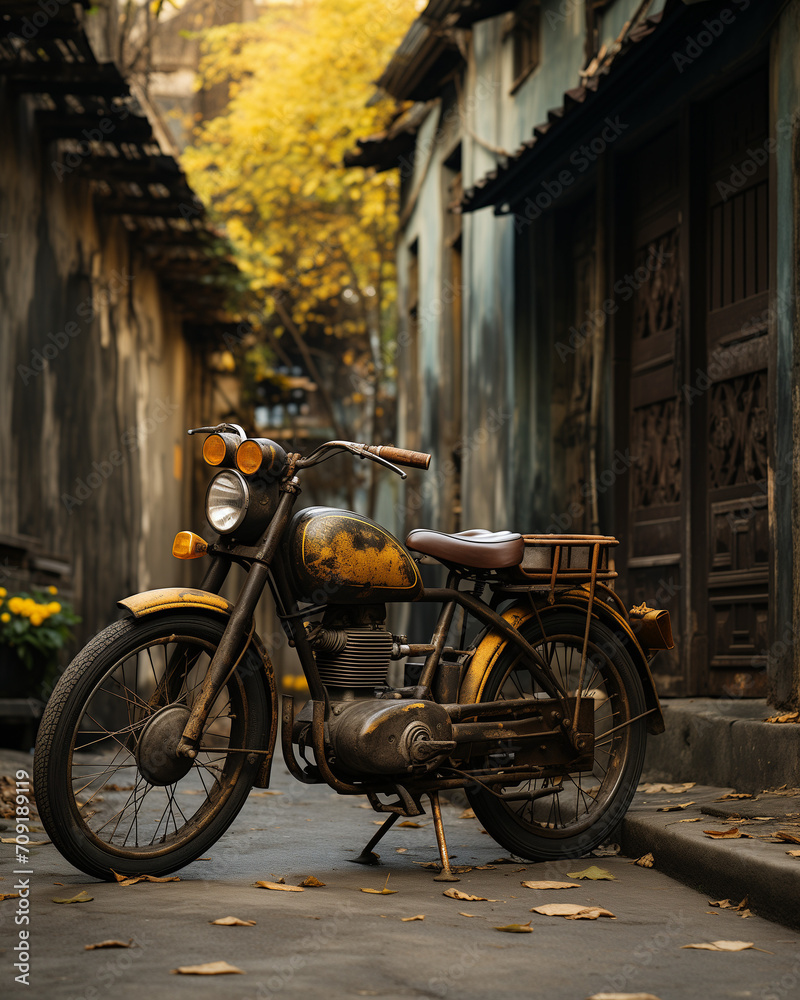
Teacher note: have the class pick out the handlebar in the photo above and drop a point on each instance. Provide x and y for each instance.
(400, 456)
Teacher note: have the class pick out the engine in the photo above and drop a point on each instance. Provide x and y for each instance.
(366, 733)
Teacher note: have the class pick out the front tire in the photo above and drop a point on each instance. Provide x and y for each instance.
(591, 803)
(111, 793)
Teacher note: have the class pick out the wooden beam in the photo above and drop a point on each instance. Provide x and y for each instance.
(58, 125)
(64, 78)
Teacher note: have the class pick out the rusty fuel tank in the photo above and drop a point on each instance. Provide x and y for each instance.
(341, 557)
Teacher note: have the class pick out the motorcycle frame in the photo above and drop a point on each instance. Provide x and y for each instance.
(265, 564)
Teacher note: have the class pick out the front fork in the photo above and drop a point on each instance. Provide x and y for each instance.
(225, 659)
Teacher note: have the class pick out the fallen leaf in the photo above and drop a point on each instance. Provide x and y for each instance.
(462, 914)
(191, 791)
(484, 868)
(232, 922)
(108, 944)
(550, 885)
(658, 787)
(789, 838)
(723, 904)
(467, 814)
(254, 794)
(645, 861)
(382, 892)
(277, 885)
(15, 895)
(378, 822)
(733, 795)
(410, 824)
(732, 834)
(82, 897)
(745, 913)
(117, 788)
(609, 851)
(312, 883)
(458, 894)
(419, 916)
(721, 945)
(29, 843)
(572, 911)
(133, 879)
(623, 996)
(786, 717)
(592, 872)
(794, 854)
(400, 850)
(433, 865)
(503, 861)
(676, 808)
(516, 928)
(207, 969)
(694, 819)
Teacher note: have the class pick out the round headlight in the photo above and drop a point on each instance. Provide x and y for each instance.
(227, 501)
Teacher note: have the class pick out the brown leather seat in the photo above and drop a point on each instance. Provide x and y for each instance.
(476, 548)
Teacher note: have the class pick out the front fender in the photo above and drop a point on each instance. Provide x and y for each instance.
(185, 598)
(492, 646)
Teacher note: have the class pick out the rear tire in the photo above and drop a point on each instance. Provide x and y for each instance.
(592, 803)
(111, 793)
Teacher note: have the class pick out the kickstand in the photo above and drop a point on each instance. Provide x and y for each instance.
(367, 857)
(446, 874)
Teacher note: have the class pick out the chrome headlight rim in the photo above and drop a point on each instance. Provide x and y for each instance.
(235, 480)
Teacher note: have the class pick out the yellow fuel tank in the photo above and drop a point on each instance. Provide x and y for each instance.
(341, 557)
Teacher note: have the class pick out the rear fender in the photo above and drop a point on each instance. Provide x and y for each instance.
(152, 602)
(492, 645)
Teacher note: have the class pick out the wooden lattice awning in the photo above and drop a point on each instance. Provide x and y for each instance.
(101, 133)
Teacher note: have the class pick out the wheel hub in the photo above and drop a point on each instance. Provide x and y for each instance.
(157, 749)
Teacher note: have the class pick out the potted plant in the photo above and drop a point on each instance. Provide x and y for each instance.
(34, 626)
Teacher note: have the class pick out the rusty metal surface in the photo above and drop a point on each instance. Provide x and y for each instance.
(171, 598)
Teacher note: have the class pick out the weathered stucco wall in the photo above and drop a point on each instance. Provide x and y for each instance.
(94, 384)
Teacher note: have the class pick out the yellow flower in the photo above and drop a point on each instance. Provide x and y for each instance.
(36, 619)
(15, 605)
(3, 592)
(5, 617)
(28, 607)
(53, 607)
(52, 590)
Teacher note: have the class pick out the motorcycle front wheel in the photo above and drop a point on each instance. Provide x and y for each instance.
(112, 794)
(579, 809)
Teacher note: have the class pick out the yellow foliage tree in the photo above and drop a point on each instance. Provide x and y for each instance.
(315, 240)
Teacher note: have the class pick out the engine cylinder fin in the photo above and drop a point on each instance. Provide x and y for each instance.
(362, 663)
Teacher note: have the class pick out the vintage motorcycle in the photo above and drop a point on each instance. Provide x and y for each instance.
(539, 711)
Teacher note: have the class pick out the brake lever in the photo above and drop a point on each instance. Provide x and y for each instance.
(220, 427)
(363, 453)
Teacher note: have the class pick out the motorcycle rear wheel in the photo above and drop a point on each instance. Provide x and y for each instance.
(111, 793)
(583, 815)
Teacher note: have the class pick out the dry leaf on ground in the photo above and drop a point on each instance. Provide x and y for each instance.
(676, 808)
(82, 897)
(720, 945)
(133, 879)
(734, 833)
(550, 885)
(794, 854)
(108, 944)
(277, 885)
(723, 904)
(254, 794)
(785, 717)
(412, 825)
(787, 837)
(400, 850)
(485, 868)
(419, 916)
(232, 922)
(623, 996)
(312, 883)
(593, 872)
(15, 895)
(645, 861)
(382, 892)
(462, 914)
(693, 819)
(458, 894)
(655, 788)
(467, 814)
(516, 928)
(572, 911)
(207, 969)
(28, 843)
(733, 795)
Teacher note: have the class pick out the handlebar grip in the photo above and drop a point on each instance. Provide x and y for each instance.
(400, 456)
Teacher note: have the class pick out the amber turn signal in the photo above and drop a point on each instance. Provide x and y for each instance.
(260, 455)
(220, 449)
(188, 545)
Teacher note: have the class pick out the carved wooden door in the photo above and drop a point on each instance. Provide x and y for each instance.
(657, 494)
(734, 383)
